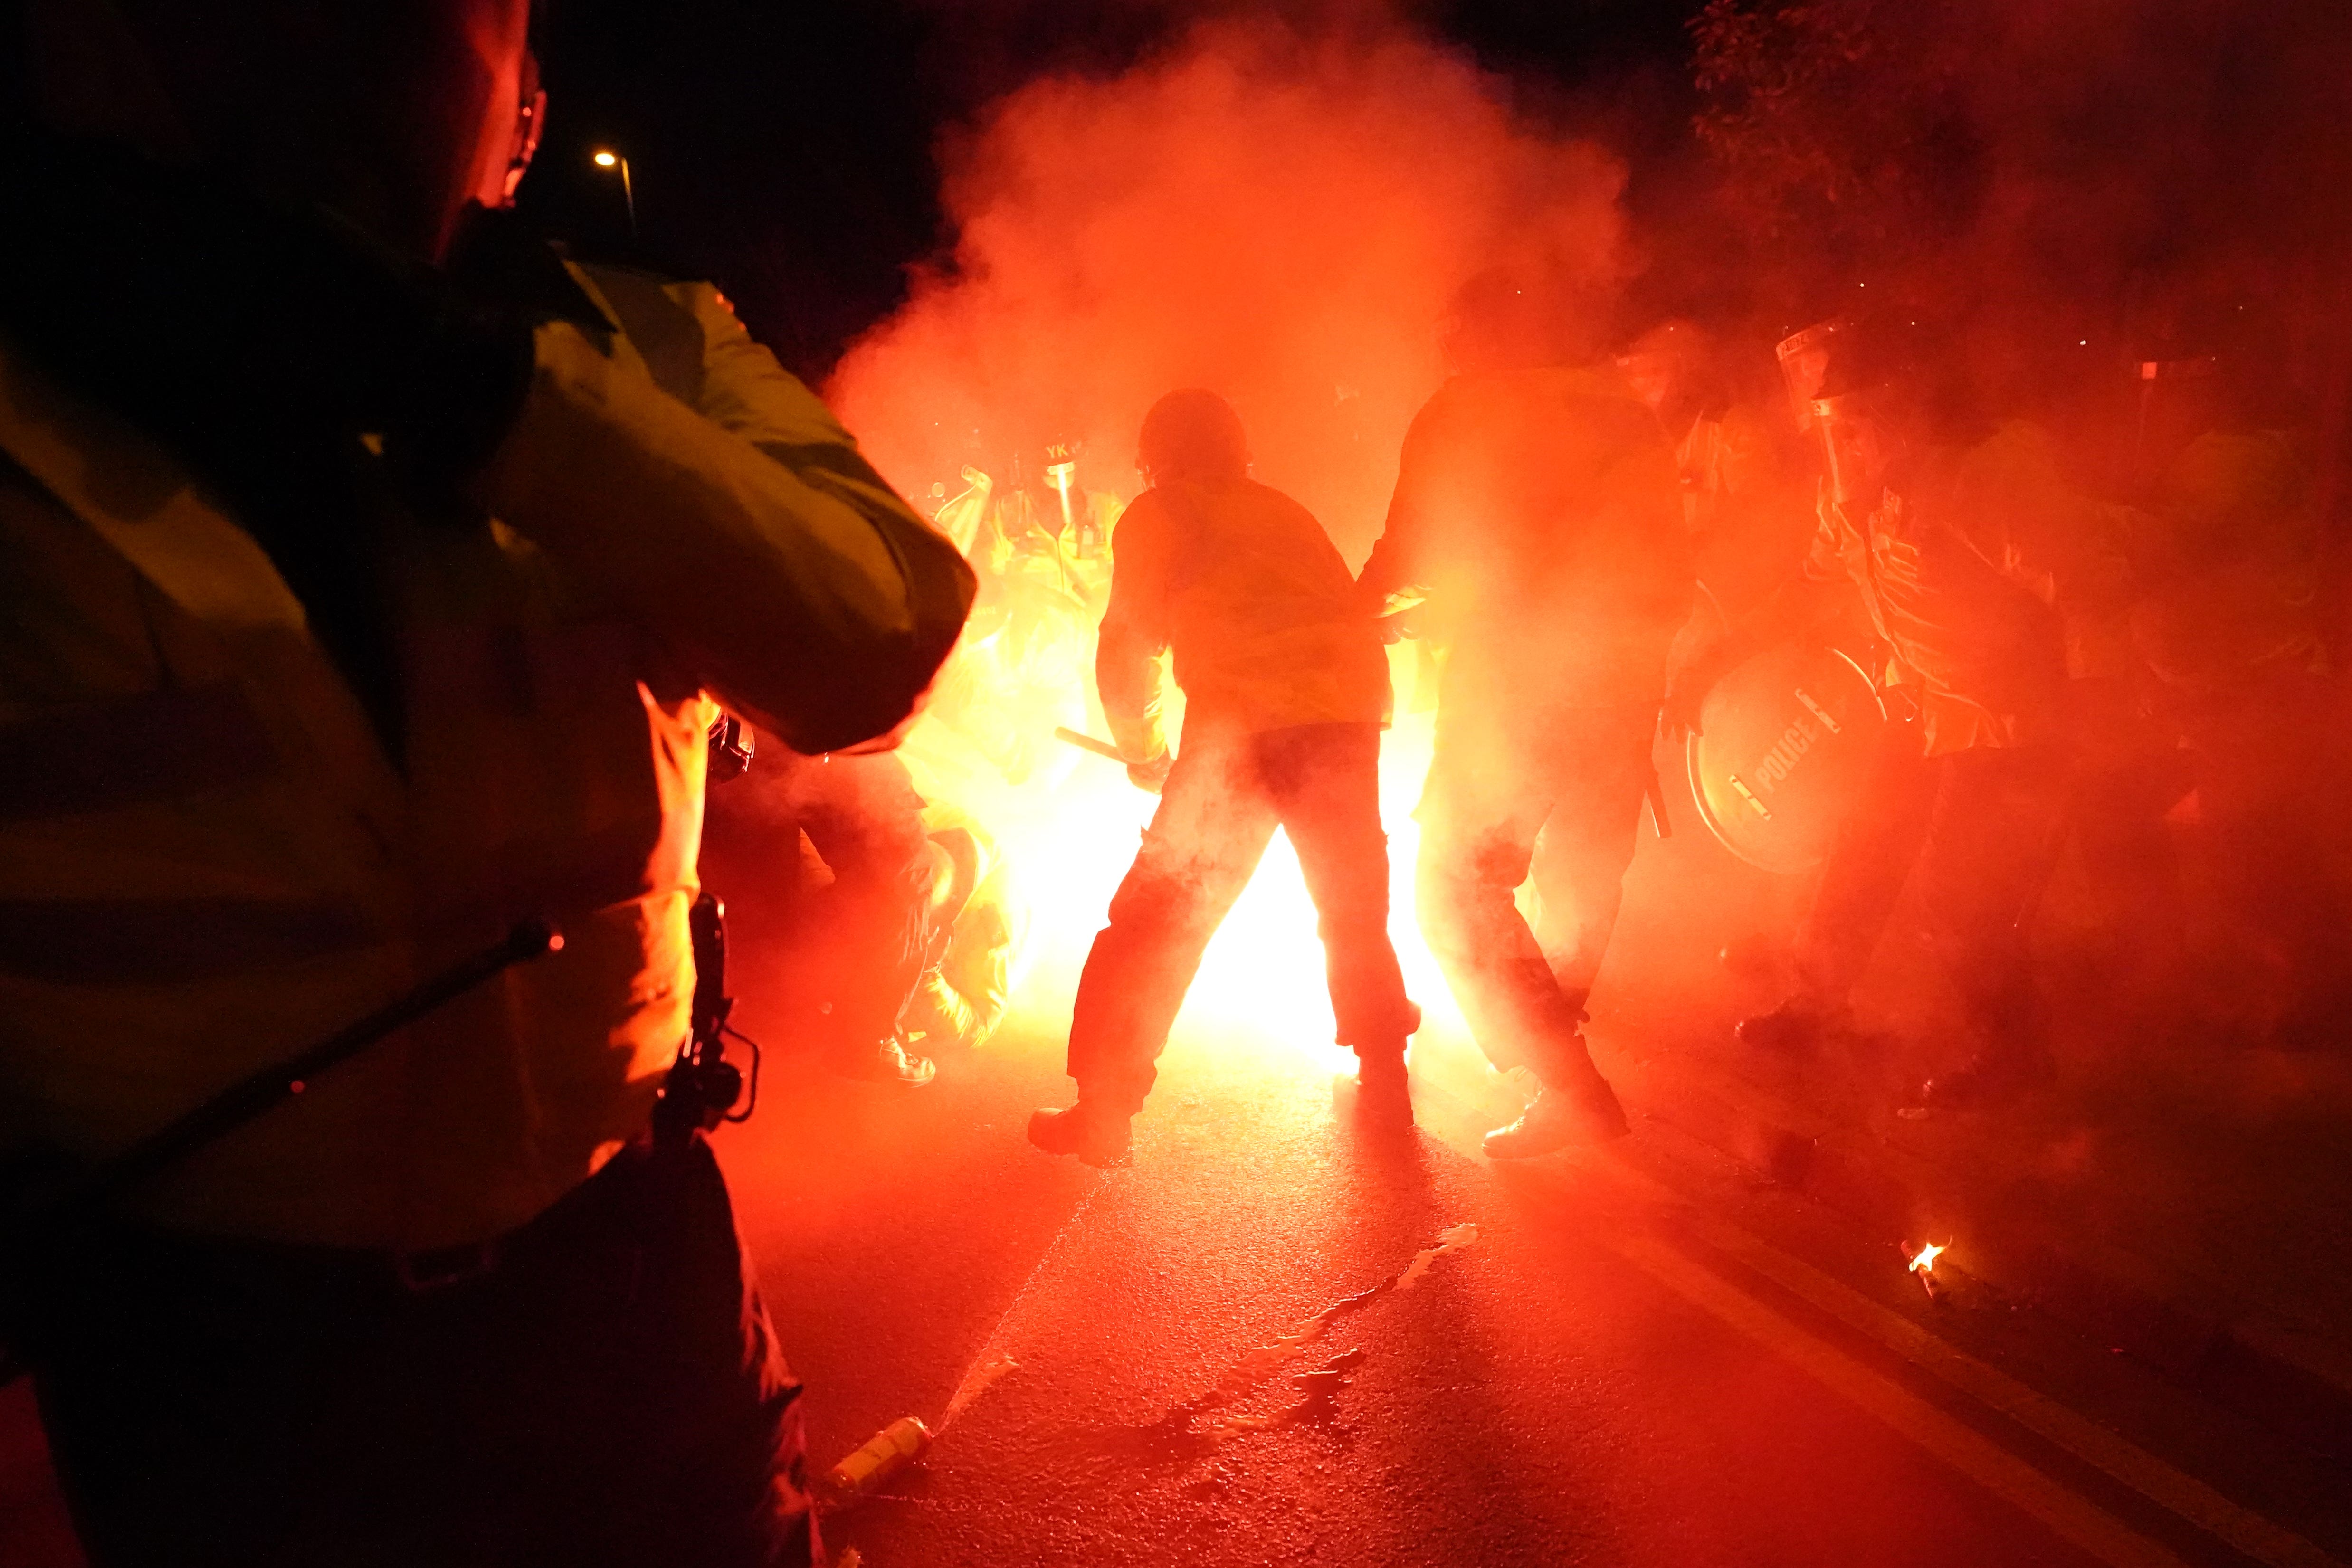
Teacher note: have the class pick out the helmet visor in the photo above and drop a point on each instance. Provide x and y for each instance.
(1857, 443)
(1804, 363)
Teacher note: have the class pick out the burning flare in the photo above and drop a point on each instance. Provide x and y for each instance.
(1925, 1262)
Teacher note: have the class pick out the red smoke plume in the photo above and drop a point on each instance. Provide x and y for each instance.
(1277, 216)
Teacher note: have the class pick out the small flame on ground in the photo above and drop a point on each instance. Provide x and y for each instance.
(1924, 1262)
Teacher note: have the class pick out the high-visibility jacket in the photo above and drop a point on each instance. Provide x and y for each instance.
(1242, 586)
(977, 924)
(1990, 579)
(1542, 511)
(209, 859)
(2229, 552)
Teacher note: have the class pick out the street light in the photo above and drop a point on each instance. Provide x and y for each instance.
(606, 158)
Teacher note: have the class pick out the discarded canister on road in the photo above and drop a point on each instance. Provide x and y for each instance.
(885, 1455)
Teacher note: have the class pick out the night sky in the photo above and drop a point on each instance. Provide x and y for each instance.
(786, 151)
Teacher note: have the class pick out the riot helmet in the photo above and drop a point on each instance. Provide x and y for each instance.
(1860, 439)
(1885, 384)
(1061, 471)
(1672, 368)
(1804, 358)
(1859, 397)
(1070, 514)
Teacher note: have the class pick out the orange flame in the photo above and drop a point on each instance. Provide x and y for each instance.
(1070, 831)
(1924, 1263)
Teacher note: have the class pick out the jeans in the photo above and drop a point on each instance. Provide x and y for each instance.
(1218, 811)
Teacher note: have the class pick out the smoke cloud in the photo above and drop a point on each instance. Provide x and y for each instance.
(2067, 171)
(1279, 215)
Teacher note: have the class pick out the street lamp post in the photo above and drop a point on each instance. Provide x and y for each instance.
(606, 158)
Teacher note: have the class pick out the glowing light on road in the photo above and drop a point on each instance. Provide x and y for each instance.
(1925, 1262)
(1261, 987)
(1070, 832)
(605, 160)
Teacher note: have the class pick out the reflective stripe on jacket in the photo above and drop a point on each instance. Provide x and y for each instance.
(1980, 566)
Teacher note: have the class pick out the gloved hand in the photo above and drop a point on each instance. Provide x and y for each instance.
(1687, 690)
(1151, 774)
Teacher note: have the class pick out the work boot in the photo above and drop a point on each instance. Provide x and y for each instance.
(1583, 1112)
(890, 1062)
(1383, 1091)
(1794, 1028)
(1098, 1137)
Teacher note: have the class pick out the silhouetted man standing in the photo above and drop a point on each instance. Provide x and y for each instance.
(1285, 687)
(1538, 508)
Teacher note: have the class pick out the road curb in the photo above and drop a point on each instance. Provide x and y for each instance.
(2292, 1382)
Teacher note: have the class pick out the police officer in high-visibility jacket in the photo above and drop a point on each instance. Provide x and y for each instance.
(976, 923)
(2227, 546)
(1285, 688)
(352, 615)
(1982, 572)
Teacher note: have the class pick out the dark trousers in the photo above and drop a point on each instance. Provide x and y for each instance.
(608, 1392)
(1979, 829)
(1319, 783)
(1499, 777)
(2270, 752)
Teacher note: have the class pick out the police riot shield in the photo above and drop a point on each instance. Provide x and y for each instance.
(1785, 741)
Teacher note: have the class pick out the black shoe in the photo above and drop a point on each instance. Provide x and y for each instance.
(1985, 1080)
(1795, 1027)
(1097, 1137)
(1383, 1091)
(890, 1062)
(1587, 1112)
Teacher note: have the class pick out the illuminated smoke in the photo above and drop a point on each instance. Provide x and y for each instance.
(1281, 212)
(1276, 213)
(1278, 216)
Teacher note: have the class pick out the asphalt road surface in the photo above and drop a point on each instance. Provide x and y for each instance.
(1626, 1356)
(1283, 1336)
